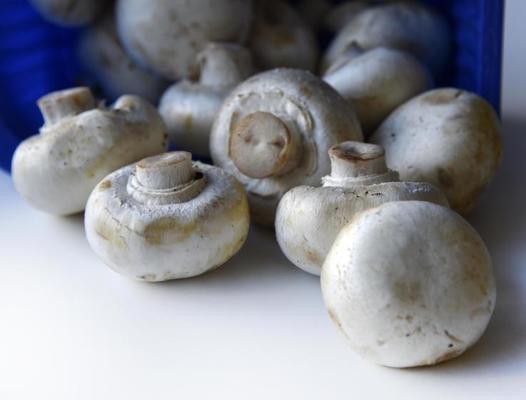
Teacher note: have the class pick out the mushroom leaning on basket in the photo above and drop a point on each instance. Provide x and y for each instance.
(448, 137)
(167, 218)
(80, 143)
(409, 284)
(189, 108)
(308, 218)
(273, 133)
(167, 35)
(70, 12)
(378, 81)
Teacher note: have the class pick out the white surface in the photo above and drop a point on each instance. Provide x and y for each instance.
(255, 329)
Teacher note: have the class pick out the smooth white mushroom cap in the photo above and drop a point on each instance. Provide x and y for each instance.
(81, 143)
(305, 116)
(309, 218)
(408, 26)
(167, 218)
(377, 82)
(448, 137)
(409, 284)
(69, 12)
(167, 35)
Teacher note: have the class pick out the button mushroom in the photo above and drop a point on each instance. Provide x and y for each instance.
(308, 219)
(448, 137)
(69, 12)
(103, 57)
(408, 26)
(189, 108)
(273, 133)
(409, 284)
(80, 143)
(280, 38)
(167, 218)
(377, 82)
(166, 35)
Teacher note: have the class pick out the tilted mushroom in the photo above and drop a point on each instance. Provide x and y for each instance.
(102, 55)
(80, 143)
(167, 35)
(167, 217)
(273, 133)
(448, 137)
(341, 14)
(408, 26)
(409, 284)
(189, 108)
(280, 38)
(308, 218)
(69, 12)
(377, 82)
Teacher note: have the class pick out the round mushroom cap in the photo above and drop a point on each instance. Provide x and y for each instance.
(409, 26)
(69, 12)
(283, 120)
(448, 137)
(134, 227)
(167, 35)
(409, 284)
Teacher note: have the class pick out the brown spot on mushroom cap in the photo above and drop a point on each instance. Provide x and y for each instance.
(407, 292)
(444, 96)
(110, 232)
(105, 184)
(168, 230)
(445, 179)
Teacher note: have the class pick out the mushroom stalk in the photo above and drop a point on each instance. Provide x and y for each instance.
(65, 103)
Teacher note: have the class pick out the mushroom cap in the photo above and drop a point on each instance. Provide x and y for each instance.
(168, 241)
(56, 170)
(103, 56)
(308, 107)
(448, 137)
(167, 35)
(69, 12)
(308, 218)
(341, 14)
(377, 82)
(409, 284)
(410, 26)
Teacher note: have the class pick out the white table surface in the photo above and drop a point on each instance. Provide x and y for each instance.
(254, 329)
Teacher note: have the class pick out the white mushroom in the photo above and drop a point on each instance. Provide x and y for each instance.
(273, 133)
(189, 108)
(79, 144)
(448, 137)
(69, 12)
(102, 55)
(280, 38)
(409, 284)
(167, 35)
(341, 14)
(377, 82)
(407, 26)
(167, 218)
(308, 218)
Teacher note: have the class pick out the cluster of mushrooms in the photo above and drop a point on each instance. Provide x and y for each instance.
(362, 168)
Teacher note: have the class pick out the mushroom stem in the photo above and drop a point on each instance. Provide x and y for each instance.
(58, 105)
(262, 145)
(224, 65)
(165, 171)
(358, 163)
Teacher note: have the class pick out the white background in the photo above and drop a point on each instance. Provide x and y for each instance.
(70, 328)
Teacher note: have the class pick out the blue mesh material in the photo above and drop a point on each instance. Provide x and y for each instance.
(37, 57)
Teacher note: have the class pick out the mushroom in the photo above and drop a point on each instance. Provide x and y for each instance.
(409, 284)
(308, 218)
(280, 38)
(167, 217)
(69, 12)
(189, 108)
(167, 35)
(409, 26)
(341, 14)
(80, 143)
(102, 55)
(273, 133)
(377, 82)
(448, 137)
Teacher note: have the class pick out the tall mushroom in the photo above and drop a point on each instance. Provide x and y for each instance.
(80, 143)
(166, 217)
(308, 218)
(273, 133)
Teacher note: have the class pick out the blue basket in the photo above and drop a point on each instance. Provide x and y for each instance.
(37, 57)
